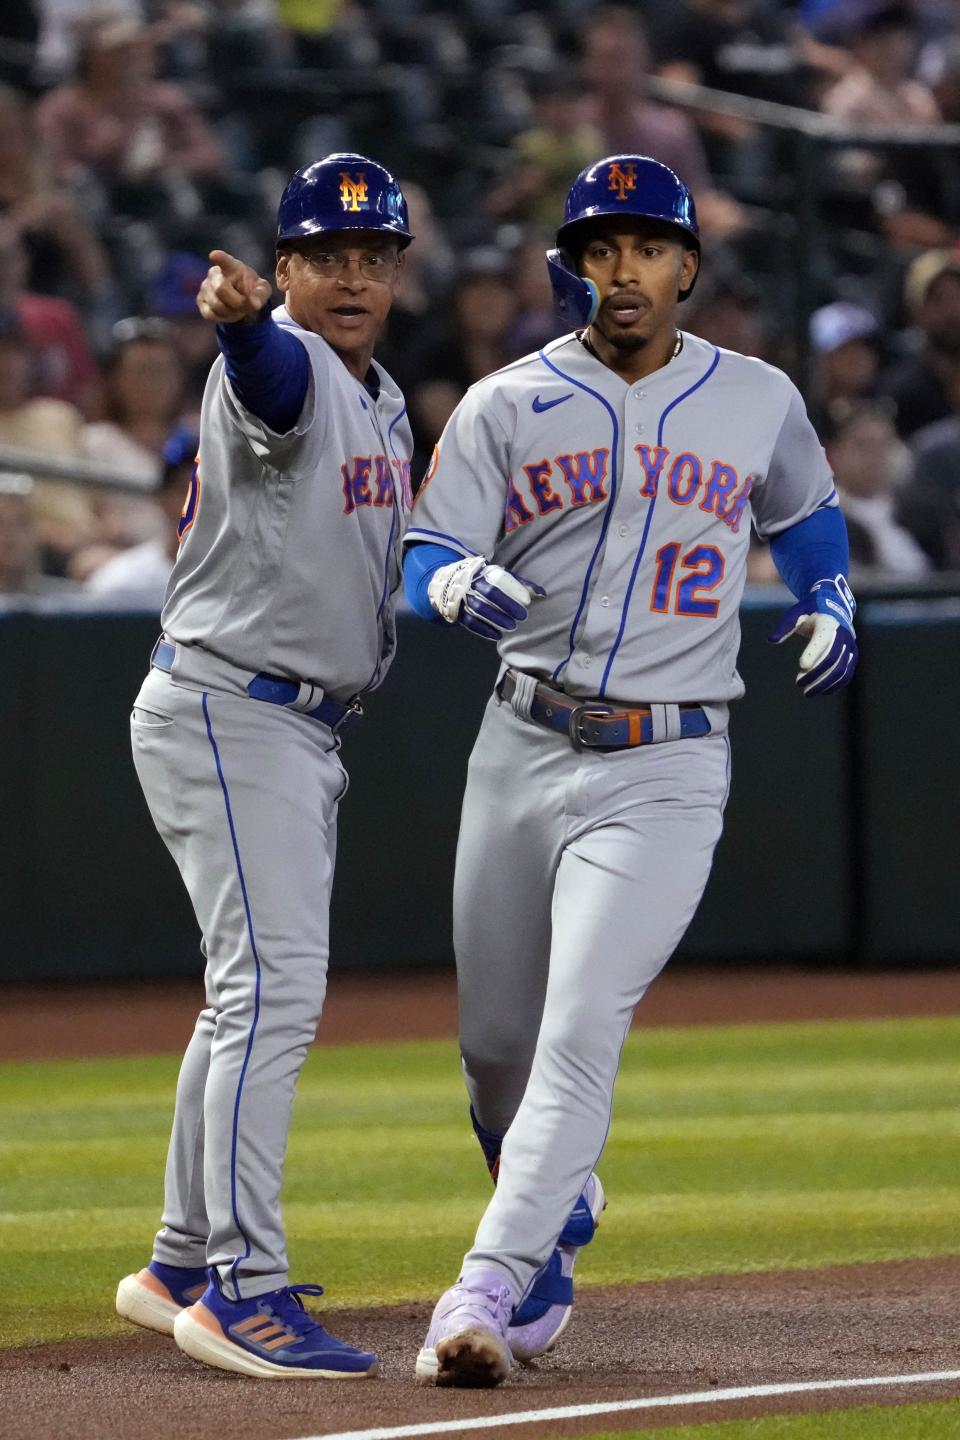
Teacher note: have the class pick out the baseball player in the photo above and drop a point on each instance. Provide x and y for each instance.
(278, 621)
(588, 508)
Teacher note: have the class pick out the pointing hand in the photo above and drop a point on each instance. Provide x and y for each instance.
(231, 291)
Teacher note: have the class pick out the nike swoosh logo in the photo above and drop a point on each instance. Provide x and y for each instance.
(541, 405)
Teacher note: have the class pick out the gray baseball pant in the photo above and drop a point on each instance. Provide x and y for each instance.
(577, 875)
(245, 796)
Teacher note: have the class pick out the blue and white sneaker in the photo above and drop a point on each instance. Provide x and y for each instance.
(271, 1337)
(466, 1343)
(544, 1313)
(155, 1296)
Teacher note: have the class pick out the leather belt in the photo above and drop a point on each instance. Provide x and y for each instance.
(592, 725)
(276, 690)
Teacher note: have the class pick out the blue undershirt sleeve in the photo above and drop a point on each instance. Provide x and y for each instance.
(268, 369)
(419, 564)
(814, 549)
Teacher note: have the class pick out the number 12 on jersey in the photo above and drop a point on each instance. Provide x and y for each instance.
(705, 566)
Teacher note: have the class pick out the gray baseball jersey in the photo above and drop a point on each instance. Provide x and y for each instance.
(289, 556)
(578, 871)
(630, 504)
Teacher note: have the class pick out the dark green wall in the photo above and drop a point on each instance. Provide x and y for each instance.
(841, 825)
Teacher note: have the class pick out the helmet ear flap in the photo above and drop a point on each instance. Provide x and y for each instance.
(575, 298)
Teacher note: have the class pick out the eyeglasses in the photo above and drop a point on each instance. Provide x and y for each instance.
(380, 265)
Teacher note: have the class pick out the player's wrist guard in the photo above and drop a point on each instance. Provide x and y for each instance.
(483, 598)
(834, 597)
(825, 618)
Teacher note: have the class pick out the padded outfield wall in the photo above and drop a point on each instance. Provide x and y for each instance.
(840, 841)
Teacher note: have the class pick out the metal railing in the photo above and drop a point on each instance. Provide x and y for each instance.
(35, 463)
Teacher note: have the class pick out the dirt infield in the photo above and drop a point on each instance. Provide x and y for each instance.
(658, 1339)
(661, 1339)
(61, 1022)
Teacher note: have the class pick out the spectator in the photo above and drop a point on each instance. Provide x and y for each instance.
(918, 200)
(845, 342)
(20, 568)
(941, 71)
(921, 384)
(726, 311)
(65, 256)
(173, 297)
(616, 58)
(536, 322)
(868, 461)
(119, 124)
(428, 269)
(544, 160)
(64, 367)
(905, 189)
(136, 579)
(879, 88)
(63, 513)
(62, 24)
(144, 382)
(744, 46)
(144, 394)
(464, 349)
(748, 47)
(19, 31)
(930, 503)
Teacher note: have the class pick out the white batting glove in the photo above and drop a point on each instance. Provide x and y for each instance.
(483, 598)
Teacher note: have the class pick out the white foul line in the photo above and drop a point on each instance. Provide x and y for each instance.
(650, 1402)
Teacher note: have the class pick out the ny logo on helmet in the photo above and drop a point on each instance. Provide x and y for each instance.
(622, 178)
(353, 191)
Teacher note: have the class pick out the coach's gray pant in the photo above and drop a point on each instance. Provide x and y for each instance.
(245, 796)
(577, 875)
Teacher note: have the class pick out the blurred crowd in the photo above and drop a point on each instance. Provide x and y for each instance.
(137, 135)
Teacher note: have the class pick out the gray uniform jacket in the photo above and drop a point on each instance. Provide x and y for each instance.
(631, 505)
(289, 556)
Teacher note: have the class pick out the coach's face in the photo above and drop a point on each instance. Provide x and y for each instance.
(639, 270)
(341, 286)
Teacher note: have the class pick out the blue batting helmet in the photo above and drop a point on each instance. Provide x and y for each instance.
(342, 192)
(620, 185)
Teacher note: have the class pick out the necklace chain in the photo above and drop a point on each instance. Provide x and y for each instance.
(584, 338)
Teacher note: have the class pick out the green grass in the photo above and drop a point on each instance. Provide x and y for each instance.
(748, 1148)
(895, 1422)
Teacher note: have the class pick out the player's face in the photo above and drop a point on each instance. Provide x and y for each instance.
(638, 273)
(341, 286)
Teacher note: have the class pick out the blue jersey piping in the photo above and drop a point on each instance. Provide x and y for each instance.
(646, 528)
(256, 1000)
(610, 503)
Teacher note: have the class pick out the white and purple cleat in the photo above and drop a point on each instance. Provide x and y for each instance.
(466, 1343)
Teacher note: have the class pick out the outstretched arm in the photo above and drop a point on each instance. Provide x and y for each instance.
(266, 365)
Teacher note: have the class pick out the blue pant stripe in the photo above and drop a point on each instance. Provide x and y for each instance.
(256, 1001)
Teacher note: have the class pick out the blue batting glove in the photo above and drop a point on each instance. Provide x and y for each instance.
(826, 616)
